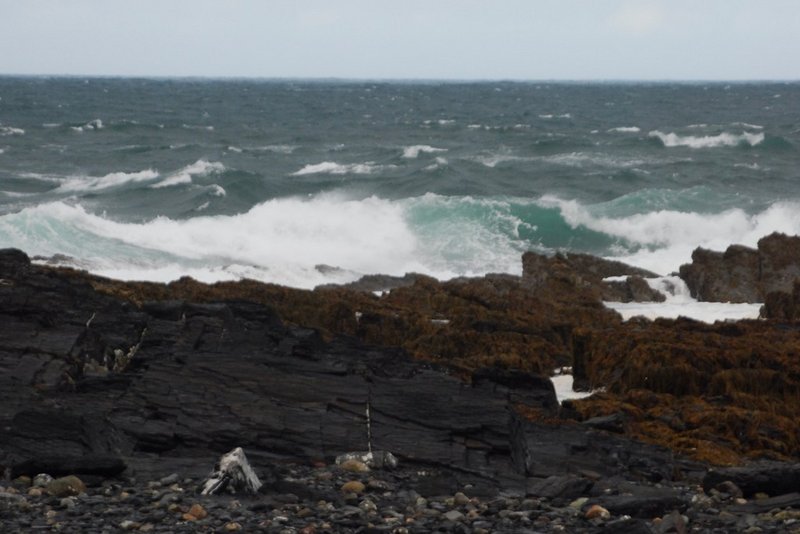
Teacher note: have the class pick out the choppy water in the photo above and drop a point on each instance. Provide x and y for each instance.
(154, 179)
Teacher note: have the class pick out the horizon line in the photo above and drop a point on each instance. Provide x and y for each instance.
(343, 79)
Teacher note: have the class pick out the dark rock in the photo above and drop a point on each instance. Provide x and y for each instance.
(545, 450)
(742, 274)
(767, 477)
(789, 500)
(99, 465)
(377, 282)
(633, 289)
(581, 276)
(673, 523)
(614, 422)
(730, 276)
(559, 488)
(779, 256)
(782, 305)
(645, 503)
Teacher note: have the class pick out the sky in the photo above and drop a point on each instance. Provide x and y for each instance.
(405, 39)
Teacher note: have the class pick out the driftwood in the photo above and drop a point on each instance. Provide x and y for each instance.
(232, 473)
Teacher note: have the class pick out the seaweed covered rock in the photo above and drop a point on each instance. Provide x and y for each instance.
(716, 392)
(583, 278)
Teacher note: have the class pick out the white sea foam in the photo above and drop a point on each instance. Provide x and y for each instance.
(569, 159)
(554, 116)
(10, 130)
(752, 166)
(666, 238)
(95, 124)
(218, 190)
(200, 167)
(51, 125)
(748, 125)
(235, 149)
(564, 391)
(331, 167)
(280, 240)
(708, 141)
(95, 183)
(413, 152)
(626, 129)
(440, 122)
(197, 127)
(438, 163)
(277, 149)
(679, 303)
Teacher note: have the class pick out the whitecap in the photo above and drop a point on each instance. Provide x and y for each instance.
(331, 167)
(708, 141)
(200, 167)
(412, 152)
(747, 125)
(96, 183)
(663, 240)
(278, 149)
(95, 124)
(439, 162)
(625, 129)
(10, 130)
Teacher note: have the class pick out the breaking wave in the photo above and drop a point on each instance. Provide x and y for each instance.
(114, 179)
(331, 167)
(413, 152)
(708, 141)
(184, 176)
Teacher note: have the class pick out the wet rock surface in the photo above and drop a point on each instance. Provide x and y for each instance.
(137, 389)
(743, 274)
(320, 499)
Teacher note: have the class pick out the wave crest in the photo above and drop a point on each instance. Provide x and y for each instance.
(114, 179)
(200, 167)
(10, 130)
(707, 141)
(413, 152)
(331, 167)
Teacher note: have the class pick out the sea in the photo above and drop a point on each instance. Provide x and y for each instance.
(309, 182)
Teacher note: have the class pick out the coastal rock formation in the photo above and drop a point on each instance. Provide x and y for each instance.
(743, 274)
(717, 392)
(103, 379)
(782, 305)
(580, 276)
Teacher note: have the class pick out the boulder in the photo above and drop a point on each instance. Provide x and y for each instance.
(772, 478)
(97, 465)
(743, 274)
(66, 486)
(580, 276)
(730, 276)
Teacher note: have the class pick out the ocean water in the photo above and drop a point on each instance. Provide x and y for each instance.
(156, 179)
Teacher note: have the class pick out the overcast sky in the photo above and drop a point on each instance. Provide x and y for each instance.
(429, 39)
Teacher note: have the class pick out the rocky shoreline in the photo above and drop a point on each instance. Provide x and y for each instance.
(136, 389)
